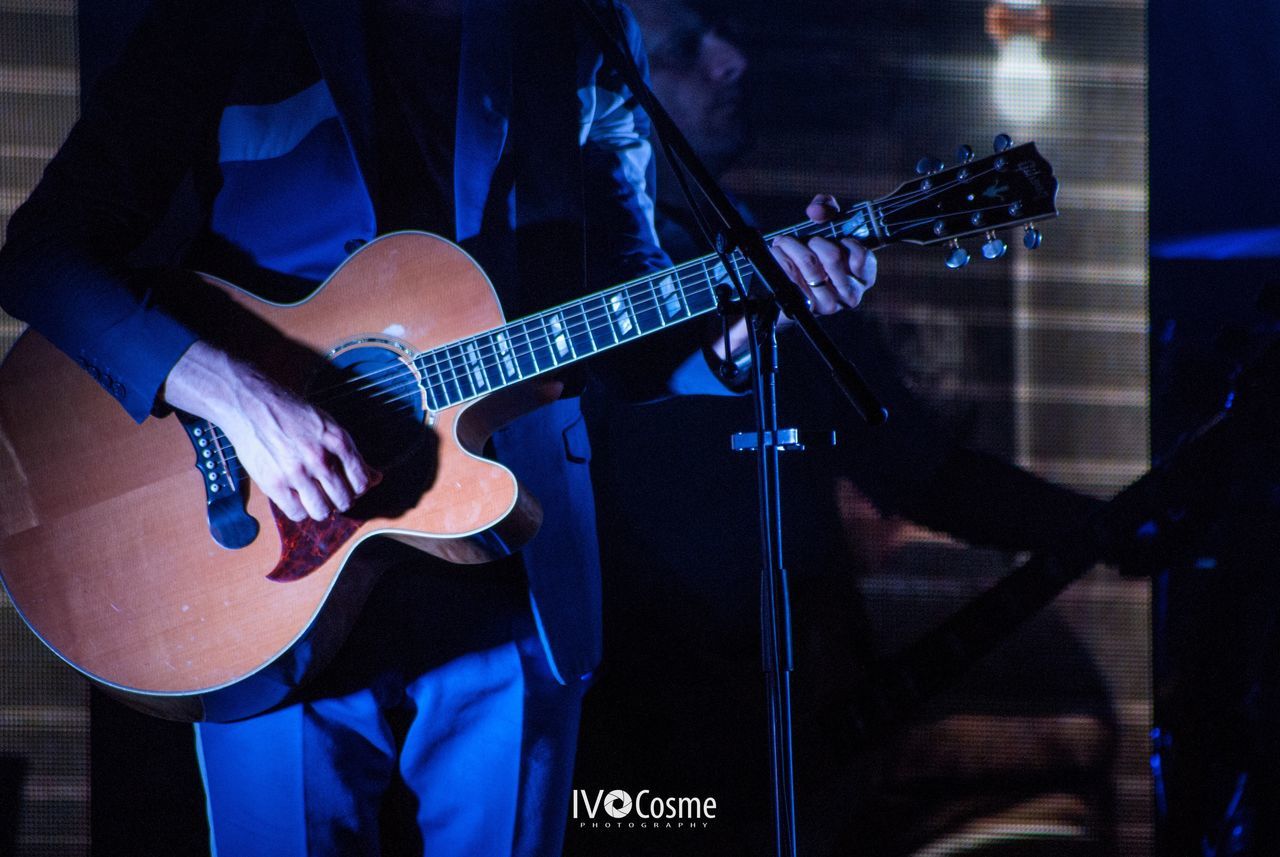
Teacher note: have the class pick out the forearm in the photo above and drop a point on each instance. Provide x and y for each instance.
(209, 383)
(987, 501)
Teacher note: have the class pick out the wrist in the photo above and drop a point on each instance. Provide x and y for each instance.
(204, 382)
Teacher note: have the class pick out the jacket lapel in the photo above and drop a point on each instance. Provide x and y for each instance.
(484, 106)
(336, 32)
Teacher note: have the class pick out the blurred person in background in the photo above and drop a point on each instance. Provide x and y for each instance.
(680, 707)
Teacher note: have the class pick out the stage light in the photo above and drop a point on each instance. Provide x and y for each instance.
(1023, 86)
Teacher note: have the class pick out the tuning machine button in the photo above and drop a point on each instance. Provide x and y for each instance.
(1002, 143)
(957, 256)
(926, 166)
(1032, 237)
(993, 247)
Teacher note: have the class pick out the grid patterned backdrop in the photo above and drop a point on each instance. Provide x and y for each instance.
(44, 716)
(1044, 356)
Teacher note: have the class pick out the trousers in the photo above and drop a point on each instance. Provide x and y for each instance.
(438, 730)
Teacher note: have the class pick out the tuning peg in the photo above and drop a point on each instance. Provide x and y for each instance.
(957, 256)
(964, 154)
(993, 247)
(1032, 237)
(927, 165)
(1002, 142)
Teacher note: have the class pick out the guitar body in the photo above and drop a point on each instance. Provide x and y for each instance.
(105, 536)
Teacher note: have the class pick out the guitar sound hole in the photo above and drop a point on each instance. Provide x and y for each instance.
(376, 397)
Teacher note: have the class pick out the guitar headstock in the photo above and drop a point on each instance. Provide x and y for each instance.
(1012, 187)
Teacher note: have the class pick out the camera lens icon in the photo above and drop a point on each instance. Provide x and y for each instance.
(617, 803)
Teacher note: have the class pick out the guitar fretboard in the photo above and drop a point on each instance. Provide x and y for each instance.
(1012, 187)
(472, 367)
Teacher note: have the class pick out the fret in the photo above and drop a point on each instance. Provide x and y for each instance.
(643, 297)
(526, 354)
(475, 369)
(699, 297)
(601, 321)
(558, 337)
(743, 270)
(670, 301)
(450, 394)
(428, 390)
(543, 350)
(504, 356)
(457, 359)
(622, 316)
(713, 275)
(493, 371)
(429, 366)
(578, 330)
(878, 224)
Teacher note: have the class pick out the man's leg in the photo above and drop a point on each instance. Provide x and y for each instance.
(490, 753)
(304, 781)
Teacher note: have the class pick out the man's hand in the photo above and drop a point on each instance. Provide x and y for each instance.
(833, 275)
(296, 453)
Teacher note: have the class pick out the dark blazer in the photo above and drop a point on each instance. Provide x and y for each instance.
(266, 107)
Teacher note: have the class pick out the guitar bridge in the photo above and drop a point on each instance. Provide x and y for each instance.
(230, 523)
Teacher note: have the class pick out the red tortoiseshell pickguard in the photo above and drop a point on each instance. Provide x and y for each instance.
(306, 545)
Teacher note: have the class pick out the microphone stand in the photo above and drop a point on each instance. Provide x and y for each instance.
(772, 291)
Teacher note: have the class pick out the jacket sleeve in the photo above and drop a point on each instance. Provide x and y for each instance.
(619, 176)
(64, 267)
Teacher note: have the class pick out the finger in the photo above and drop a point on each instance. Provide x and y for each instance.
(823, 207)
(332, 479)
(863, 266)
(310, 495)
(812, 277)
(359, 475)
(286, 500)
(836, 260)
(793, 274)
(862, 262)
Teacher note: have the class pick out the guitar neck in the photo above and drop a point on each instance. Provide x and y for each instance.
(549, 340)
(1014, 186)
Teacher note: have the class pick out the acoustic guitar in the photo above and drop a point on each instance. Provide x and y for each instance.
(145, 558)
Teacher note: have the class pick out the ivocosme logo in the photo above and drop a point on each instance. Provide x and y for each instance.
(645, 811)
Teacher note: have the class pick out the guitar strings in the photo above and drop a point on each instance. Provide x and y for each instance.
(594, 319)
(597, 320)
(487, 354)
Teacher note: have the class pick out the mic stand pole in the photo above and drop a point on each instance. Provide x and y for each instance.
(775, 603)
(771, 292)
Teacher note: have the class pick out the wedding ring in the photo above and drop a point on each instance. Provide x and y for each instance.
(813, 285)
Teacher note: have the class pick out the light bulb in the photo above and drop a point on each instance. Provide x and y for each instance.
(1022, 83)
